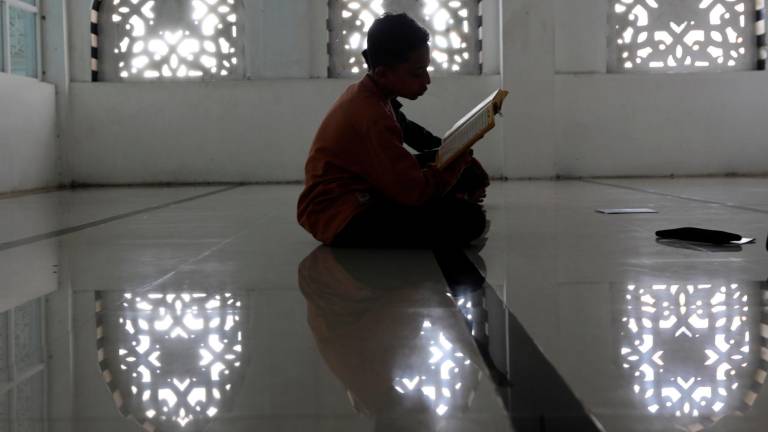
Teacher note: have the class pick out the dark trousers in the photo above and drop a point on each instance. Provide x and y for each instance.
(448, 221)
(444, 222)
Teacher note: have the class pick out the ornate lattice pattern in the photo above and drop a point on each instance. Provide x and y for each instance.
(449, 24)
(471, 306)
(175, 39)
(357, 17)
(172, 360)
(674, 36)
(691, 349)
(445, 379)
(453, 26)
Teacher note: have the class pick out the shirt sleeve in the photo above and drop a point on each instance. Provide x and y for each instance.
(395, 173)
(414, 135)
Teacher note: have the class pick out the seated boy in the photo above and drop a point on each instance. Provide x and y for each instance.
(362, 187)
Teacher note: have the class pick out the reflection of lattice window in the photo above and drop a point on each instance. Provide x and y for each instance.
(445, 378)
(692, 349)
(154, 39)
(454, 26)
(23, 380)
(471, 305)
(19, 37)
(170, 358)
(677, 36)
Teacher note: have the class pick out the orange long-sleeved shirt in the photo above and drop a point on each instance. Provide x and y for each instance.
(358, 150)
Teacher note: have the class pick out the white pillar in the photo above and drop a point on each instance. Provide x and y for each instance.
(528, 69)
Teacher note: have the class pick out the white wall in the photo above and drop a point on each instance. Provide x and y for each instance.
(528, 74)
(28, 142)
(643, 125)
(247, 131)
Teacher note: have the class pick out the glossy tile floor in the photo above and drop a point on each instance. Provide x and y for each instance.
(209, 308)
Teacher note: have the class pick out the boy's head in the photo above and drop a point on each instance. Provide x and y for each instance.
(398, 55)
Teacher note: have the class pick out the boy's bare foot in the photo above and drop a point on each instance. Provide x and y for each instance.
(476, 197)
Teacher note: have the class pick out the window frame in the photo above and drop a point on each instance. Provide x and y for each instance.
(20, 374)
(5, 37)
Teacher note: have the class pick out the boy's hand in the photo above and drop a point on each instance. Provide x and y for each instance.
(471, 179)
(475, 181)
(462, 161)
(453, 170)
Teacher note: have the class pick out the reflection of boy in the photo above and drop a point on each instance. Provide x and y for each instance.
(368, 325)
(363, 188)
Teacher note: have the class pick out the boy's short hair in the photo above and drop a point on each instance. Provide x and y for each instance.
(392, 38)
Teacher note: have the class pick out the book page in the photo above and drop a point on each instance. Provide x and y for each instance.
(472, 113)
(471, 127)
(456, 142)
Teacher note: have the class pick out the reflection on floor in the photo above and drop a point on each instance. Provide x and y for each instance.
(170, 358)
(689, 351)
(386, 328)
(208, 308)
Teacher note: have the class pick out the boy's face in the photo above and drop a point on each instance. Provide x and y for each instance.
(408, 80)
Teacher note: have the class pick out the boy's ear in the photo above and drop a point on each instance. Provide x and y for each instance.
(380, 72)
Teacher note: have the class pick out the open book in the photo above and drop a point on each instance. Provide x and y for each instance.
(471, 128)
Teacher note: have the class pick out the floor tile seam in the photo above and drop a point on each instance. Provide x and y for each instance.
(81, 227)
(681, 197)
(474, 279)
(149, 286)
(23, 194)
